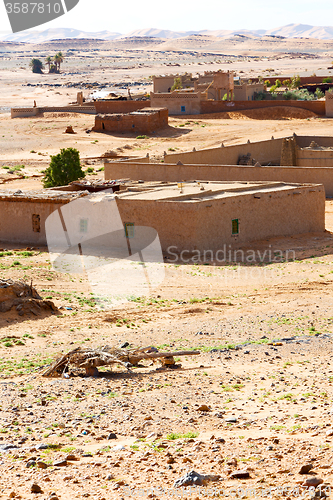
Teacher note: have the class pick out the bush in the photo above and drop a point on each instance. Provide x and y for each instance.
(319, 93)
(36, 65)
(64, 168)
(260, 96)
(327, 80)
(177, 84)
(295, 82)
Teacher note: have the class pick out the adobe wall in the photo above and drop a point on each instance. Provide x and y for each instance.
(304, 141)
(174, 101)
(314, 157)
(207, 107)
(137, 122)
(262, 151)
(329, 104)
(207, 226)
(17, 225)
(23, 112)
(177, 173)
(245, 91)
(113, 106)
(26, 112)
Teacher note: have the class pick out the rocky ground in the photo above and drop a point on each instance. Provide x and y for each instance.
(252, 413)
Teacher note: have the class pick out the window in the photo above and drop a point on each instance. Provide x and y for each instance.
(83, 225)
(129, 229)
(182, 109)
(36, 223)
(235, 226)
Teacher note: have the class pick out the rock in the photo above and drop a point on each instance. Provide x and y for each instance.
(42, 465)
(118, 448)
(42, 446)
(60, 463)
(203, 408)
(305, 469)
(53, 496)
(240, 474)
(231, 420)
(195, 478)
(35, 488)
(220, 440)
(312, 481)
(69, 130)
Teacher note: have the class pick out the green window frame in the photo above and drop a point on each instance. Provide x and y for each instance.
(83, 225)
(235, 226)
(129, 229)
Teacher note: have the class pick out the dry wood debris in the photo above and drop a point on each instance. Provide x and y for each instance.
(89, 358)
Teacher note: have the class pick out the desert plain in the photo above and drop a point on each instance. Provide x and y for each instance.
(252, 413)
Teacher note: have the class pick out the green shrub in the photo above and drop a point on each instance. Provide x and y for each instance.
(64, 168)
(177, 84)
(327, 80)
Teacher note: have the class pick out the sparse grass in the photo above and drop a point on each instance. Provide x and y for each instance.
(189, 435)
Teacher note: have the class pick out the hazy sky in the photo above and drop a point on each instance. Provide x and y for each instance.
(127, 15)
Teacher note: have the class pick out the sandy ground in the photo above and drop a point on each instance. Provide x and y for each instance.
(256, 403)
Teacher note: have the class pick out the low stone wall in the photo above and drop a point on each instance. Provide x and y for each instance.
(178, 173)
(89, 110)
(207, 107)
(26, 112)
(23, 112)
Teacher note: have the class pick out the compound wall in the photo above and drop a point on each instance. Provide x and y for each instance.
(208, 107)
(179, 173)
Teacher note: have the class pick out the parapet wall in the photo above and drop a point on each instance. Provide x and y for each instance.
(178, 173)
(113, 106)
(262, 151)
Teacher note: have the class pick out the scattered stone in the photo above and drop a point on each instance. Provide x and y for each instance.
(305, 469)
(312, 481)
(60, 463)
(35, 488)
(195, 478)
(203, 408)
(41, 465)
(240, 474)
(231, 420)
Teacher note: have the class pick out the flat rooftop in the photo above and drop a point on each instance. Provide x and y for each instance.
(41, 195)
(200, 191)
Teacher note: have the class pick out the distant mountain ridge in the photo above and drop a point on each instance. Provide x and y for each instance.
(288, 31)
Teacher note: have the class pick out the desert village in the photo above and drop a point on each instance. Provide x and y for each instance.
(166, 320)
(228, 180)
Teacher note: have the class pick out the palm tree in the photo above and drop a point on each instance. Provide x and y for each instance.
(36, 65)
(48, 61)
(58, 59)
